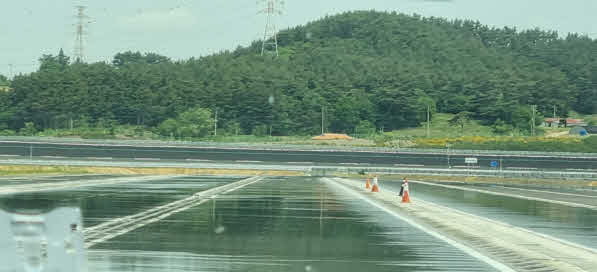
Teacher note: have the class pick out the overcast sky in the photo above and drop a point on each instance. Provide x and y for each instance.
(185, 28)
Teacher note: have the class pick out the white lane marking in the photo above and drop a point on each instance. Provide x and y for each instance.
(503, 224)
(300, 162)
(198, 160)
(511, 226)
(410, 165)
(249, 161)
(543, 191)
(565, 203)
(152, 219)
(52, 186)
(581, 170)
(495, 264)
(3, 155)
(53, 157)
(99, 158)
(522, 168)
(102, 232)
(147, 159)
(350, 163)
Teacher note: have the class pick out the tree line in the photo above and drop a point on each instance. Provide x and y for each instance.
(359, 68)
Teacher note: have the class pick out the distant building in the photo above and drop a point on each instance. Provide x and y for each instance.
(561, 122)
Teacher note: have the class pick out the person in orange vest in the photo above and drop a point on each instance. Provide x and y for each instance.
(404, 181)
(405, 192)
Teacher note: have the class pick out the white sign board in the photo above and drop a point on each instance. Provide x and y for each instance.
(471, 160)
(42, 242)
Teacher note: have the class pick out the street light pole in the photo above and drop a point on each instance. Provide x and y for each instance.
(322, 120)
(428, 121)
(448, 154)
(216, 123)
(533, 109)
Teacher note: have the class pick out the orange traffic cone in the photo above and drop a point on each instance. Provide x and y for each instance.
(405, 197)
(375, 188)
(368, 185)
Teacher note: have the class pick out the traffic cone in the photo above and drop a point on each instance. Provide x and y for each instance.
(368, 185)
(405, 197)
(375, 188)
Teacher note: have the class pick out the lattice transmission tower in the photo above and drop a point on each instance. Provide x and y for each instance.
(82, 21)
(270, 34)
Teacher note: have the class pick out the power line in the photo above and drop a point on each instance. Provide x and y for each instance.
(82, 21)
(270, 34)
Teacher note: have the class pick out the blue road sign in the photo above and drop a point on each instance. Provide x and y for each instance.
(494, 164)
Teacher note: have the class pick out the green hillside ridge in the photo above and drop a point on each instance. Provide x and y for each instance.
(374, 67)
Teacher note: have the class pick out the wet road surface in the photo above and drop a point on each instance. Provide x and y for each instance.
(100, 203)
(290, 224)
(281, 224)
(578, 225)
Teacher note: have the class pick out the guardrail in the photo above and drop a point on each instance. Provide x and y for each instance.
(325, 171)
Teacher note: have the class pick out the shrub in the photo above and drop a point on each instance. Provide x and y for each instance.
(6, 132)
(28, 130)
(567, 144)
(193, 123)
(261, 130)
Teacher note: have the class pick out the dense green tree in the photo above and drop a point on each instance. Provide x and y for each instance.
(365, 66)
(3, 81)
(365, 128)
(461, 119)
(197, 122)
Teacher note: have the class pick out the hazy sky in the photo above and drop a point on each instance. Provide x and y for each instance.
(185, 28)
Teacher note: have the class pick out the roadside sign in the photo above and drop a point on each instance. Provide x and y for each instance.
(494, 164)
(471, 160)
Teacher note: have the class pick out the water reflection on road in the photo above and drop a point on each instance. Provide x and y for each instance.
(282, 224)
(578, 225)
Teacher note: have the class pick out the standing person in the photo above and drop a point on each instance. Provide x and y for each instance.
(405, 193)
(404, 181)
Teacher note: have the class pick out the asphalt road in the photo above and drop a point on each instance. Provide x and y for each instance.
(402, 159)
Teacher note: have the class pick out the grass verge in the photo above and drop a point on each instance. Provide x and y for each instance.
(12, 170)
(22, 170)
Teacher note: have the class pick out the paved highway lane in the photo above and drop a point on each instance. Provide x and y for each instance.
(281, 224)
(527, 162)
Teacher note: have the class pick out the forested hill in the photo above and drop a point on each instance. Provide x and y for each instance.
(384, 68)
